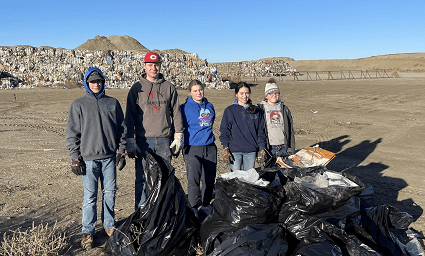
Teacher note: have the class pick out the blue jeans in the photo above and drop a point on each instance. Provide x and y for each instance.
(277, 150)
(247, 159)
(105, 170)
(161, 147)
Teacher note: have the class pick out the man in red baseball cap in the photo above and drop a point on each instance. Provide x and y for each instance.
(152, 66)
(153, 120)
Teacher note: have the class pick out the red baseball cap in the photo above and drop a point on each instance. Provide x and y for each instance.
(152, 57)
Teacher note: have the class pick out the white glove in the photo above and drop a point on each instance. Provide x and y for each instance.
(177, 144)
(132, 148)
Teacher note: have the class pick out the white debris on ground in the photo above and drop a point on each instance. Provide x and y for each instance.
(250, 176)
(28, 67)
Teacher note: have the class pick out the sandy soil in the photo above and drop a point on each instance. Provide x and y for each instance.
(374, 125)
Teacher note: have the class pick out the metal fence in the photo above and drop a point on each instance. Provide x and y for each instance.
(339, 75)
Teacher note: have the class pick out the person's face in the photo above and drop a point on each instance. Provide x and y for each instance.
(95, 86)
(152, 71)
(243, 96)
(197, 93)
(272, 98)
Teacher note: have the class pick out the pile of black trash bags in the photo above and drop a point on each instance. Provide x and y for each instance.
(301, 211)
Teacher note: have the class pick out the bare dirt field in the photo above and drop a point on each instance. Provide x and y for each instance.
(376, 127)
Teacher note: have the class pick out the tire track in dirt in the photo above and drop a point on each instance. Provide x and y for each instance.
(20, 107)
(54, 121)
(58, 131)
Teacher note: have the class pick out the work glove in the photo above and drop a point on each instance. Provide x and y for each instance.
(120, 161)
(77, 166)
(227, 157)
(177, 144)
(132, 148)
(261, 157)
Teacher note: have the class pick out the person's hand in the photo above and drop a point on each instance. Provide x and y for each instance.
(132, 148)
(177, 144)
(227, 157)
(261, 157)
(77, 166)
(120, 161)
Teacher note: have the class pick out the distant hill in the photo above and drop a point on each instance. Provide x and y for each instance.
(285, 59)
(113, 43)
(404, 62)
(121, 43)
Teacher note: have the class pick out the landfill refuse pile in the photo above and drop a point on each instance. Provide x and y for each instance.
(47, 66)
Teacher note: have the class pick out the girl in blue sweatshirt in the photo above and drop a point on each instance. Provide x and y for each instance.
(199, 150)
(242, 131)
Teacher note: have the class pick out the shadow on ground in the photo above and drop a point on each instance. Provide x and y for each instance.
(386, 188)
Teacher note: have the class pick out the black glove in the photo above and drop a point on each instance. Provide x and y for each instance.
(132, 148)
(120, 161)
(227, 157)
(77, 166)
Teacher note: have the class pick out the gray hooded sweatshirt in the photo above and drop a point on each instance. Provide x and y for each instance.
(153, 109)
(95, 128)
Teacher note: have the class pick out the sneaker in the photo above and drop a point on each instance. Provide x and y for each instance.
(87, 241)
(109, 232)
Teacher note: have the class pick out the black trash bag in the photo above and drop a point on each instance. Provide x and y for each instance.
(376, 223)
(238, 204)
(257, 239)
(308, 198)
(323, 248)
(327, 239)
(350, 245)
(164, 224)
(299, 224)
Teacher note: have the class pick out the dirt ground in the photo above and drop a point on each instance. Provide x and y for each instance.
(375, 126)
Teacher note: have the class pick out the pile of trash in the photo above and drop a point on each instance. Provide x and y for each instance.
(50, 67)
(256, 68)
(264, 211)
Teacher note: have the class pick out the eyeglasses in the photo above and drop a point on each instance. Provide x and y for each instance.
(274, 93)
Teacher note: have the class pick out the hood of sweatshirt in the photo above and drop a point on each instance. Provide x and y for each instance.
(86, 85)
(235, 102)
(190, 101)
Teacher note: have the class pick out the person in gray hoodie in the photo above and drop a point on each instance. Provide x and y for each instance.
(95, 131)
(153, 119)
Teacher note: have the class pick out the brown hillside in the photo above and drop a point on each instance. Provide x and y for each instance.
(127, 43)
(112, 43)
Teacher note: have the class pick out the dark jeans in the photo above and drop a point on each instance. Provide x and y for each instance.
(276, 150)
(201, 165)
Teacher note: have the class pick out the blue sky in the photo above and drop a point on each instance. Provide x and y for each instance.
(223, 31)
